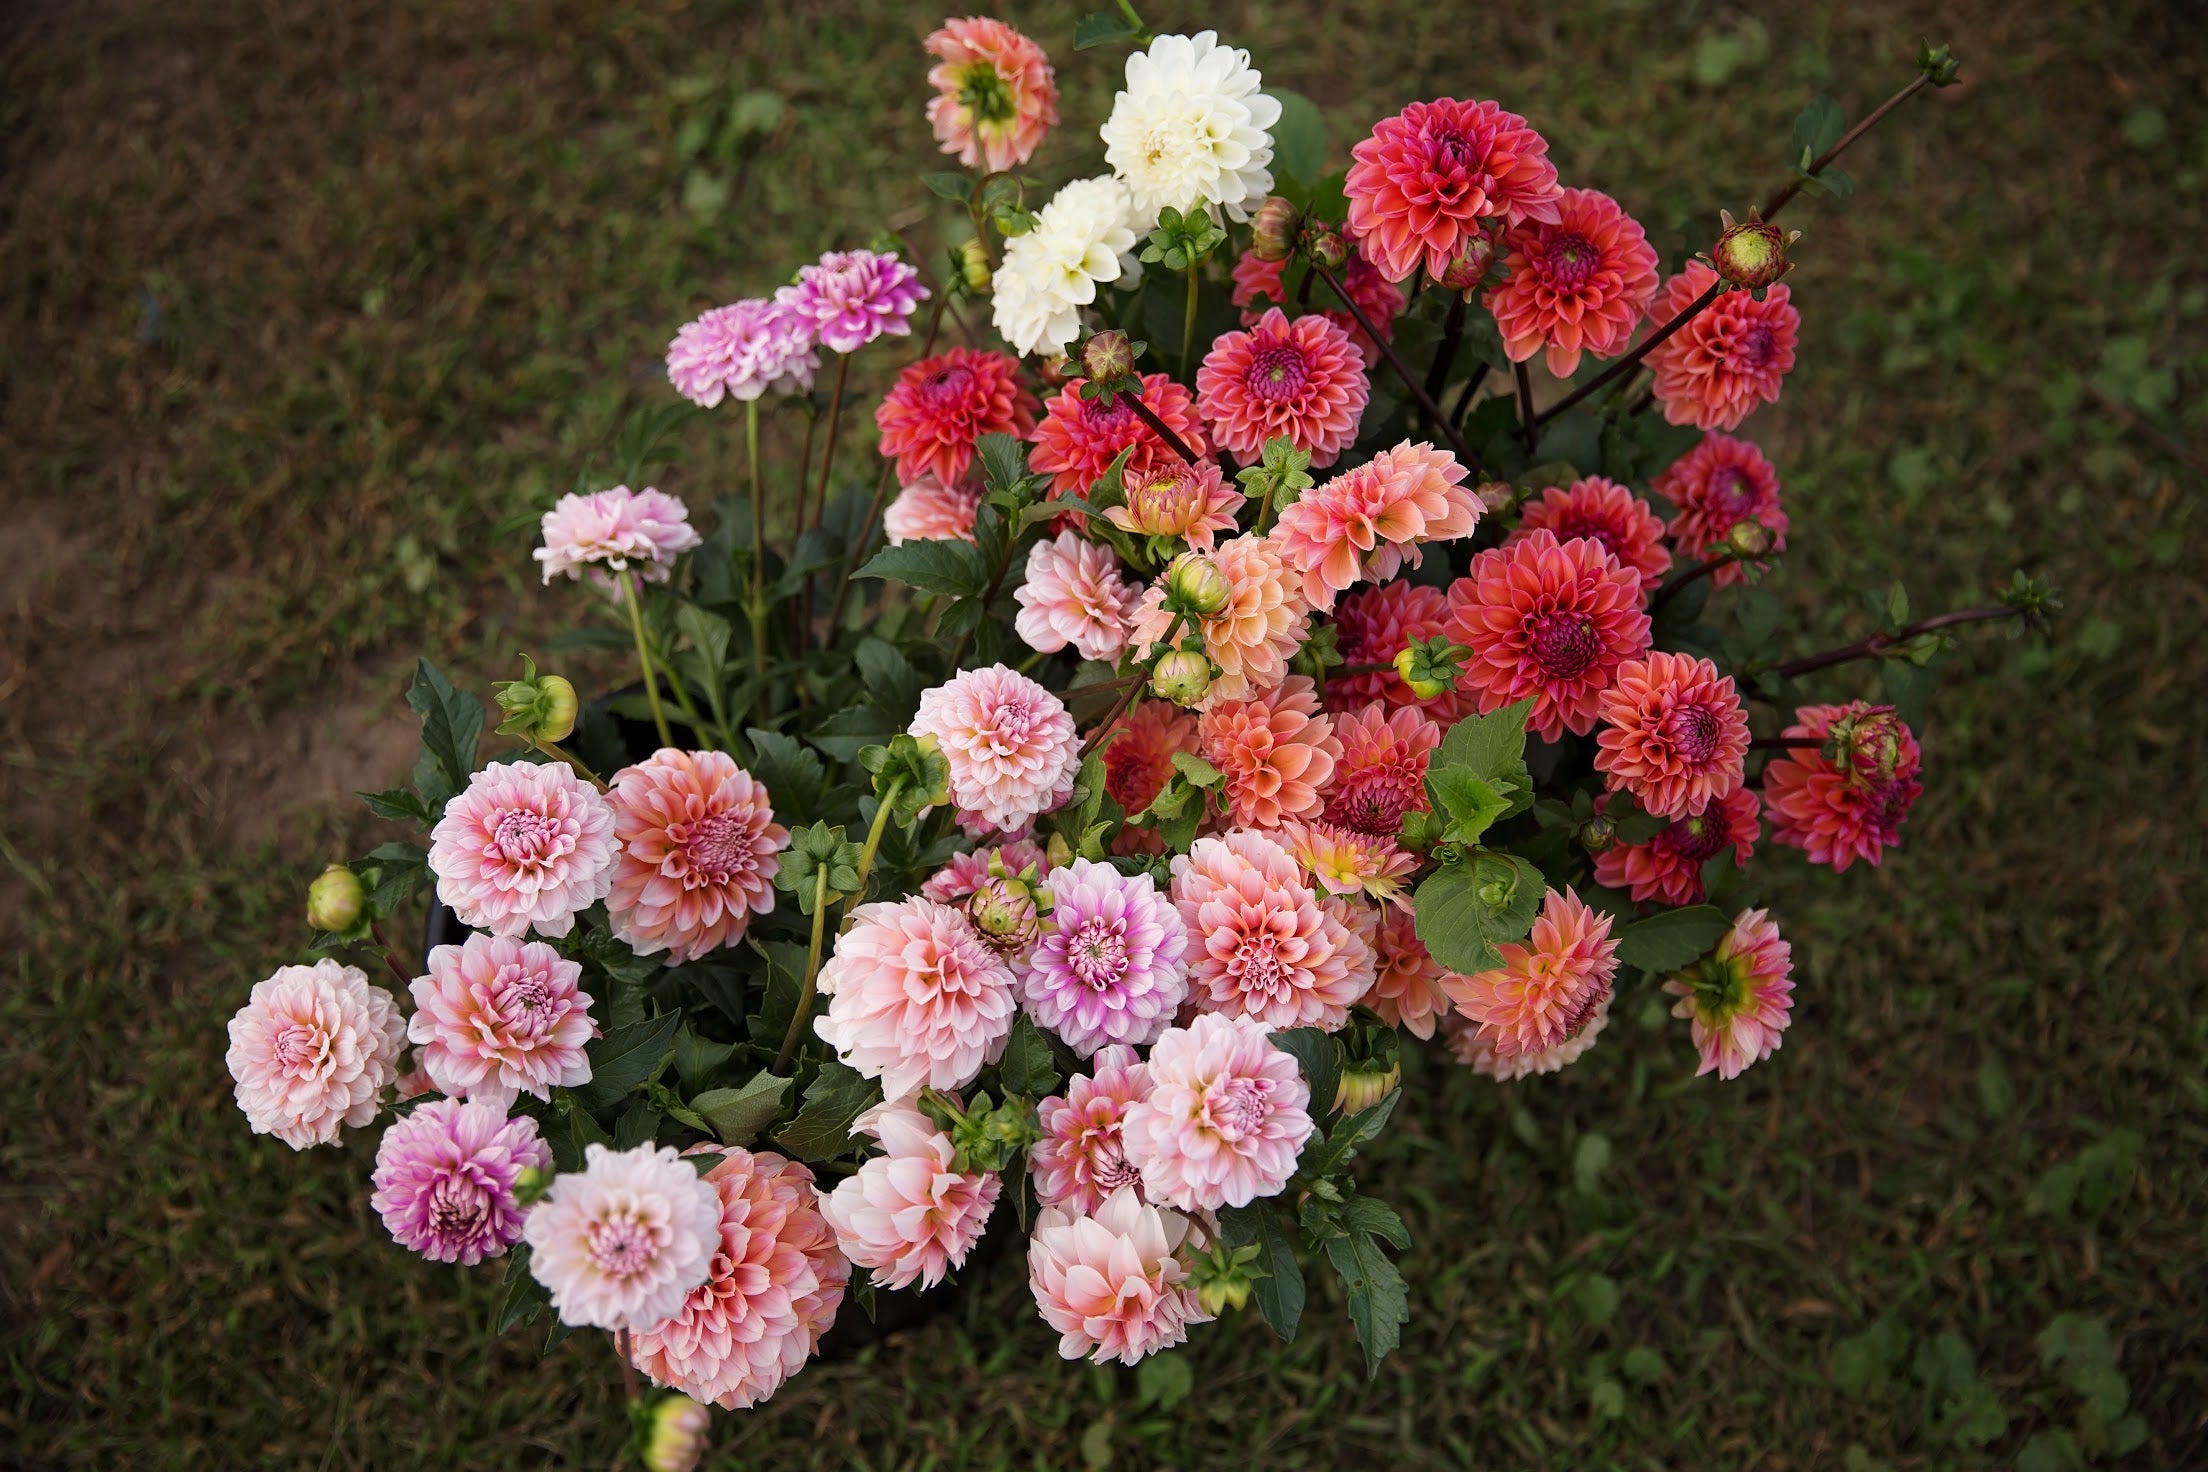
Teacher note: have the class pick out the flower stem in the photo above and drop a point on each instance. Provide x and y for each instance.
(1464, 395)
(1632, 360)
(560, 753)
(1188, 327)
(804, 1013)
(820, 493)
(621, 1348)
(1159, 427)
(756, 609)
(1878, 644)
(1671, 588)
(1793, 187)
(1425, 401)
(1142, 32)
(390, 956)
(1452, 333)
(1528, 422)
(633, 596)
(873, 843)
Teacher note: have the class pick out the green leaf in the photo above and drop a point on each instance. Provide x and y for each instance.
(736, 1115)
(1279, 1294)
(950, 566)
(1164, 1381)
(957, 188)
(398, 805)
(639, 1123)
(1670, 939)
(1003, 460)
(822, 1129)
(1371, 1214)
(1464, 910)
(889, 678)
(792, 772)
(452, 724)
(1102, 30)
(1471, 803)
(1299, 138)
(2077, 1347)
(1027, 1067)
(1817, 128)
(1199, 772)
(1643, 1365)
(696, 1057)
(626, 1057)
(1489, 746)
(1379, 1306)
(524, 1297)
(1332, 1153)
(1320, 1058)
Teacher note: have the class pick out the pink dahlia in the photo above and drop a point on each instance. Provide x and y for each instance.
(1009, 741)
(1372, 625)
(1470, 1045)
(940, 406)
(1257, 286)
(1420, 185)
(1225, 1117)
(1739, 996)
(773, 1288)
(1667, 870)
(617, 531)
(1107, 966)
(1577, 283)
(1303, 381)
(1546, 990)
(498, 1016)
(915, 997)
(1110, 1283)
(1371, 522)
(1138, 756)
(744, 350)
(699, 848)
(1719, 482)
(1074, 594)
(1609, 513)
(312, 1050)
(445, 1179)
(1277, 751)
(930, 511)
(1713, 372)
(852, 297)
(1080, 438)
(1406, 992)
(1177, 501)
(1253, 637)
(996, 95)
(1382, 773)
(905, 1215)
(1341, 862)
(528, 844)
(1674, 734)
(1262, 946)
(1080, 1159)
(621, 1242)
(1548, 619)
(962, 874)
(1838, 814)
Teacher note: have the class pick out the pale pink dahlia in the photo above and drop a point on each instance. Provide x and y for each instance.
(1406, 991)
(996, 95)
(1674, 734)
(1420, 185)
(1382, 773)
(852, 297)
(1257, 286)
(1261, 944)
(962, 874)
(1667, 870)
(1303, 381)
(744, 350)
(1838, 814)
(905, 1215)
(1371, 522)
(1074, 593)
(773, 1288)
(445, 1179)
(1716, 370)
(916, 998)
(930, 511)
(940, 406)
(1107, 966)
(1177, 501)
(621, 1242)
(1080, 1159)
(1608, 512)
(1372, 625)
(1739, 996)
(1549, 619)
(312, 1050)
(1080, 438)
(640, 533)
(1469, 1044)
(1253, 637)
(1719, 482)
(1138, 755)
(1546, 989)
(498, 1016)
(528, 844)
(1277, 751)
(1110, 1283)
(1577, 283)
(1225, 1117)
(1010, 744)
(1341, 862)
(699, 848)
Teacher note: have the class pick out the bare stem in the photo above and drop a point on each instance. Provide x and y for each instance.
(1632, 360)
(756, 610)
(1793, 187)
(1671, 588)
(1528, 424)
(390, 956)
(1878, 644)
(1160, 428)
(804, 1013)
(1445, 358)
(1424, 400)
(621, 1348)
(1188, 324)
(1464, 395)
(873, 843)
(560, 753)
(632, 594)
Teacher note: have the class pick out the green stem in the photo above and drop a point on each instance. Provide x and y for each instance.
(756, 609)
(1142, 32)
(633, 596)
(804, 1013)
(1188, 325)
(559, 753)
(1818, 165)
(873, 844)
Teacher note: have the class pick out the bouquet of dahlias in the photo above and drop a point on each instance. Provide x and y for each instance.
(1258, 667)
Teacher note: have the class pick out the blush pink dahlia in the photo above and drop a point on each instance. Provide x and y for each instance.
(916, 998)
(996, 95)
(699, 848)
(1838, 814)
(1674, 734)
(528, 844)
(1719, 482)
(1009, 742)
(1548, 619)
(1576, 284)
(906, 1216)
(929, 511)
(1406, 989)
(1257, 286)
(1225, 1117)
(1370, 522)
(1341, 862)
(1138, 755)
(1667, 870)
(1080, 438)
(1372, 625)
(1303, 381)
(852, 297)
(1277, 751)
(1080, 1159)
(616, 531)
(1739, 997)
(962, 874)
(1107, 966)
(1716, 370)
(312, 1050)
(1609, 513)
(1469, 1044)
(1074, 594)
(940, 406)
(1253, 637)
(621, 1242)
(445, 1179)
(1420, 185)
(1261, 944)
(1178, 502)
(772, 1289)
(744, 350)
(1546, 990)
(1109, 1283)
(1382, 773)
(498, 1016)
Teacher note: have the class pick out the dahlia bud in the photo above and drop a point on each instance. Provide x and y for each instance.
(1056, 371)
(334, 900)
(1325, 246)
(1194, 584)
(1274, 229)
(1182, 677)
(973, 266)
(1748, 538)
(677, 1441)
(1107, 357)
(1751, 255)
(1597, 834)
(1223, 1277)
(1496, 496)
(540, 709)
(1431, 666)
(1058, 851)
(1003, 910)
(530, 1184)
(1940, 65)
(1365, 1085)
(1405, 663)
(1468, 267)
(1867, 745)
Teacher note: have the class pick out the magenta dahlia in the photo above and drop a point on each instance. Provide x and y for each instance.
(1716, 485)
(1302, 381)
(1730, 359)
(941, 406)
(445, 1179)
(1548, 619)
(1577, 283)
(1422, 183)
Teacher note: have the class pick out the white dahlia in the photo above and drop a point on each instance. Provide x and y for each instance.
(1192, 125)
(1085, 235)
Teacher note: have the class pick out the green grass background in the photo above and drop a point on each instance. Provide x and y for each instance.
(301, 304)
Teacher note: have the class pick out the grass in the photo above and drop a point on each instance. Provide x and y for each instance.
(302, 305)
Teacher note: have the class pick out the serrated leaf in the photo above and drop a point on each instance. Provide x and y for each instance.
(792, 772)
(639, 1123)
(397, 804)
(1379, 1305)
(1371, 1214)
(1670, 939)
(957, 188)
(1464, 910)
(737, 1115)
(696, 1057)
(1101, 30)
(822, 1129)
(1027, 1067)
(1199, 772)
(1864, 1361)
(889, 678)
(452, 725)
(1319, 1055)
(627, 1056)
(1299, 138)
(1003, 460)
(524, 1297)
(1279, 1294)
(949, 566)
(1331, 1154)
(1470, 803)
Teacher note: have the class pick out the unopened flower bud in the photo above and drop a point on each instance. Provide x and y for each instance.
(1182, 677)
(1194, 584)
(1107, 357)
(1939, 65)
(1748, 538)
(530, 1183)
(1364, 1085)
(1222, 1277)
(1057, 370)
(677, 1442)
(1058, 851)
(1274, 229)
(1468, 267)
(1867, 746)
(1003, 910)
(540, 709)
(1750, 255)
(334, 900)
(1497, 496)
(973, 266)
(1325, 246)
(1597, 834)
(1405, 665)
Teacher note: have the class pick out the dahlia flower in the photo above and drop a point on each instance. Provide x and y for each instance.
(1253, 637)
(616, 531)
(699, 849)
(1578, 282)
(916, 997)
(905, 1215)
(528, 844)
(311, 1051)
(1276, 750)
(1192, 127)
(1382, 773)
(498, 1016)
(1717, 483)
(1009, 742)
(1176, 501)
(1258, 282)
(1107, 965)
(1549, 619)
(1342, 862)
(1609, 513)
(1080, 438)
(773, 1288)
(1138, 755)
(1715, 371)
(1739, 996)
(1546, 989)
(1074, 594)
(1225, 1117)
(1110, 1283)
(1370, 522)
(1261, 944)
(1372, 625)
(1302, 381)
(929, 511)
(1420, 185)
(744, 350)
(940, 406)
(1674, 734)
(1083, 237)
(1667, 870)
(996, 95)
(1406, 989)
(1838, 815)
(1079, 1159)
(852, 297)
(621, 1242)
(962, 874)
(445, 1179)
(1469, 1044)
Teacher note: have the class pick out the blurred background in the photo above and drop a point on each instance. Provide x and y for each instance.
(306, 307)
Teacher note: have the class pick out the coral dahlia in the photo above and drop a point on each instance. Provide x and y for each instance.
(1372, 625)
(1420, 185)
(1303, 381)
(1546, 990)
(1739, 997)
(1253, 637)
(996, 95)
(312, 1050)
(940, 406)
(1371, 521)
(905, 1215)
(528, 844)
(916, 998)
(699, 852)
(1406, 989)
(621, 1242)
(1277, 751)
(1469, 1044)
(1261, 944)
(1107, 965)
(445, 1179)
(1010, 744)
(1074, 594)
(1610, 513)
(1382, 773)
(1342, 862)
(1577, 283)
(1080, 438)
(1080, 1160)
(1109, 1283)
(1674, 734)
(1178, 502)
(929, 511)
(498, 1016)
(1225, 1117)
(1548, 619)
(1838, 814)
(1667, 870)
(1138, 755)
(1720, 482)
(1715, 371)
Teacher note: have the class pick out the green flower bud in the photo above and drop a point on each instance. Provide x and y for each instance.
(1325, 245)
(1747, 539)
(1752, 255)
(973, 267)
(1597, 834)
(540, 709)
(677, 1439)
(1365, 1085)
(530, 1184)
(1003, 910)
(1273, 228)
(1223, 1277)
(1183, 677)
(335, 899)
(1939, 65)
(1194, 584)
(1107, 357)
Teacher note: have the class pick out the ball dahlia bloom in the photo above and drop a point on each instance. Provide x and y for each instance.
(621, 1242)
(1262, 945)
(1420, 185)
(772, 1289)
(1469, 1044)
(916, 998)
(1109, 1283)
(1107, 965)
(1674, 734)
(1382, 773)
(1083, 238)
(497, 1017)
(1276, 750)
(744, 350)
(1080, 438)
(851, 297)
(1178, 502)
(1548, 619)
(996, 95)
(618, 531)
(1080, 1160)
(1719, 482)
(929, 511)
(445, 1179)
(905, 1215)
(1372, 625)
(1226, 1115)
(312, 1050)
(1739, 997)
(940, 406)
(528, 844)
(1341, 862)
(1838, 814)
(1251, 640)
(1406, 988)
(1074, 593)
(1257, 285)
(1608, 512)
(1667, 870)
(1193, 124)
(1716, 370)
(1546, 989)
(699, 852)
(1371, 522)
(1577, 283)
(1010, 744)
(1303, 381)
(1138, 755)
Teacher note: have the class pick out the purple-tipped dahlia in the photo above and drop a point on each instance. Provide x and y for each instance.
(854, 296)
(1107, 967)
(445, 1179)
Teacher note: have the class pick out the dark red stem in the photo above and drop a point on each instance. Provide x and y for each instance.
(1878, 644)
(1632, 360)
(1424, 400)
(1817, 165)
